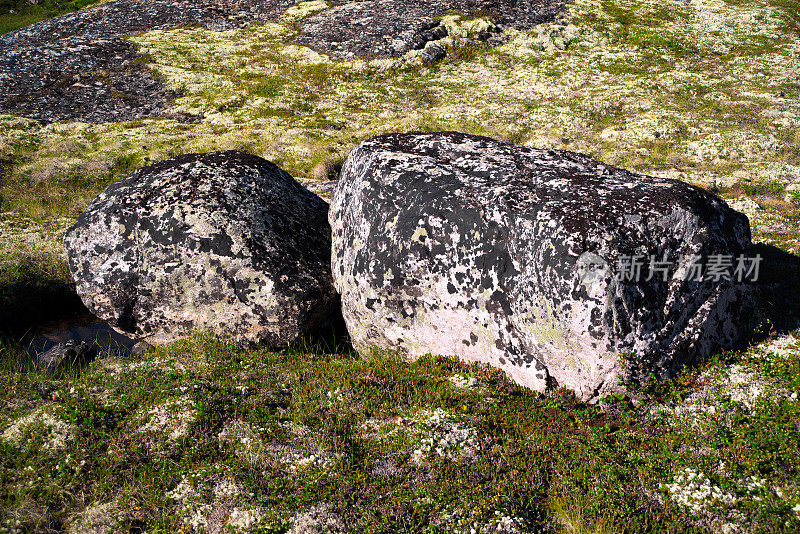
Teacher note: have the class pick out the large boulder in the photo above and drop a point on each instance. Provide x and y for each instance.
(461, 245)
(224, 242)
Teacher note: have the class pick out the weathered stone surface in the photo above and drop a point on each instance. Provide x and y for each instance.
(223, 241)
(433, 53)
(383, 28)
(76, 67)
(71, 352)
(87, 80)
(375, 28)
(127, 17)
(462, 245)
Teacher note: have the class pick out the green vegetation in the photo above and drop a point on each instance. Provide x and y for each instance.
(208, 433)
(433, 445)
(15, 14)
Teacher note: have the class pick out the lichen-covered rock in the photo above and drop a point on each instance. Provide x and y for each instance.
(383, 28)
(461, 245)
(87, 80)
(223, 241)
(77, 67)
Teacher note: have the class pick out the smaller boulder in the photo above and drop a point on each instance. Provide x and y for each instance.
(72, 352)
(224, 242)
(432, 53)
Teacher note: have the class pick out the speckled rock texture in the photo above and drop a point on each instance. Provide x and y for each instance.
(224, 242)
(461, 245)
(77, 66)
(87, 80)
(385, 28)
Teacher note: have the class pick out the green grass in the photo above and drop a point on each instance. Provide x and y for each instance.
(545, 460)
(27, 13)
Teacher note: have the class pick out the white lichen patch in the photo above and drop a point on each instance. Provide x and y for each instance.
(431, 433)
(459, 26)
(694, 490)
(461, 521)
(317, 520)
(463, 381)
(299, 451)
(215, 502)
(98, 518)
(746, 205)
(743, 386)
(244, 518)
(172, 418)
(180, 361)
(246, 441)
(40, 426)
(299, 461)
(781, 347)
(445, 436)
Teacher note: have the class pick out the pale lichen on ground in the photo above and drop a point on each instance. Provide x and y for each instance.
(430, 434)
(624, 81)
(214, 503)
(41, 425)
(173, 418)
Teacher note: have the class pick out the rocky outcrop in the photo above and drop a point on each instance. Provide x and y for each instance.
(128, 17)
(87, 80)
(462, 245)
(225, 242)
(72, 352)
(384, 28)
(77, 66)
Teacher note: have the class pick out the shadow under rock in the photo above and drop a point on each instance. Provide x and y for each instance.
(45, 323)
(330, 338)
(34, 299)
(779, 285)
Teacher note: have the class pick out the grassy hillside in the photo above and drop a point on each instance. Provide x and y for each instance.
(208, 435)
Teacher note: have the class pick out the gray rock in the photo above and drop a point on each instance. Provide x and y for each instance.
(433, 53)
(128, 17)
(225, 242)
(76, 66)
(385, 28)
(461, 245)
(88, 80)
(374, 28)
(51, 345)
(72, 352)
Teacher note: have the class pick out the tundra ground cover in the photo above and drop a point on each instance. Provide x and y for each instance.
(704, 91)
(208, 435)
